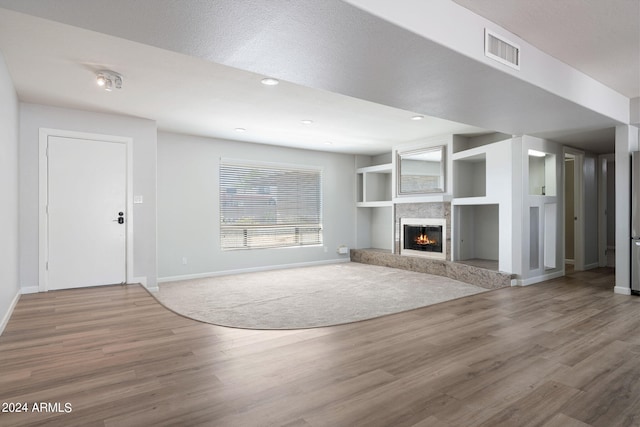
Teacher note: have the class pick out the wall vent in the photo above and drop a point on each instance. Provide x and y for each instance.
(501, 50)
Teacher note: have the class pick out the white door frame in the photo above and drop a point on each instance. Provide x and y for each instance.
(579, 211)
(43, 185)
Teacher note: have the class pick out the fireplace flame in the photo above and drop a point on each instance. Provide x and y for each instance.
(423, 239)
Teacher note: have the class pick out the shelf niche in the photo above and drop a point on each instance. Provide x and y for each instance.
(374, 185)
(477, 232)
(470, 176)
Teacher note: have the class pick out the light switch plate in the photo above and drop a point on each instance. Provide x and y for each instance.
(138, 199)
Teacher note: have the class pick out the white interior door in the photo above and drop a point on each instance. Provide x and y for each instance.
(86, 204)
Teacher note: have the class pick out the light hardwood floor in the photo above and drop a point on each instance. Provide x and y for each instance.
(562, 353)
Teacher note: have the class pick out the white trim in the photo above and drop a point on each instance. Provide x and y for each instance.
(251, 270)
(29, 290)
(622, 291)
(142, 280)
(7, 315)
(43, 231)
(538, 279)
(592, 266)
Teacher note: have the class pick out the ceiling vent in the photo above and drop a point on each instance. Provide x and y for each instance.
(501, 50)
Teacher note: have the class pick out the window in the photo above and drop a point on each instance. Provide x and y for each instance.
(269, 206)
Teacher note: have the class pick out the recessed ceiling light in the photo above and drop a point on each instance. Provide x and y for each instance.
(269, 81)
(417, 117)
(328, 143)
(306, 122)
(241, 130)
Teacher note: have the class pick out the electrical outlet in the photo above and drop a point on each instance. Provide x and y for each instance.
(184, 260)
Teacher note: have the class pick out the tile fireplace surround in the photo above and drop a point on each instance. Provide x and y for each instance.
(440, 210)
(485, 278)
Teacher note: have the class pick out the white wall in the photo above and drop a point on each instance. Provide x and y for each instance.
(9, 276)
(143, 132)
(188, 206)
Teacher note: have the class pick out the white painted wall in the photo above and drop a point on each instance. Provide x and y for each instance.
(188, 206)
(9, 275)
(143, 132)
(626, 141)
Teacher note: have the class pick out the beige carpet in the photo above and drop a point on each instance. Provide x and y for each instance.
(308, 297)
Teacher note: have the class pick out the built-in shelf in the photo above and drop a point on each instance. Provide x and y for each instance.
(374, 185)
(470, 176)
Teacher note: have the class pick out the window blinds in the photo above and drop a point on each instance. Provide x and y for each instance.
(269, 206)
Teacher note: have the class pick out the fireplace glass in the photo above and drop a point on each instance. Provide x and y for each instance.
(427, 238)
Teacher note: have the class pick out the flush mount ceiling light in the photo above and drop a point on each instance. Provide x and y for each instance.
(306, 122)
(269, 81)
(109, 80)
(417, 117)
(241, 130)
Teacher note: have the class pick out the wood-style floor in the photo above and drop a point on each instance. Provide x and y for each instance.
(562, 353)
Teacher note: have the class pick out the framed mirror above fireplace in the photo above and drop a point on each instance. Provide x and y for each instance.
(421, 171)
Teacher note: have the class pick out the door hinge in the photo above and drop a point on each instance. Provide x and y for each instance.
(46, 265)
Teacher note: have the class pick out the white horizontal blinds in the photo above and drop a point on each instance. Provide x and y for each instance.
(266, 206)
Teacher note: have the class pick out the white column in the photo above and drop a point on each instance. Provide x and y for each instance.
(626, 141)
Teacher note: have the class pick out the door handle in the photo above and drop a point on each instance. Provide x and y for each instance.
(637, 243)
(120, 218)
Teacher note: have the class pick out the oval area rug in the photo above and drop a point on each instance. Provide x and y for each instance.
(308, 297)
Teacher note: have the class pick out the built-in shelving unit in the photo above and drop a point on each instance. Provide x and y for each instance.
(374, 185)
(482, 180)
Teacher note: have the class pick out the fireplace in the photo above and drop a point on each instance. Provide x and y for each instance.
(426, 237)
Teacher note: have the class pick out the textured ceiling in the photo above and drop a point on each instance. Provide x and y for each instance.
(318, 49)
(599, 38)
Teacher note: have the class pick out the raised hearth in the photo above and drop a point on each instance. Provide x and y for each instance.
(473, 275)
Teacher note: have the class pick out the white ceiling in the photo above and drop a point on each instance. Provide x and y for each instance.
(600, 38)
(196, 70)
(55, 64)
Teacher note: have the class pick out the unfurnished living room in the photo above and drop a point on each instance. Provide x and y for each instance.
(320, 213)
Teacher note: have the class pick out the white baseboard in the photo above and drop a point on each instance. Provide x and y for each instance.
(538, 279)
(7, 315)
(592, 266)
(622, 290)
(569, 261)
(29, 290)
(143, 281)
(249, 270)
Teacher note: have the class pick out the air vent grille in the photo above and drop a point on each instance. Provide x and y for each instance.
(501, 50)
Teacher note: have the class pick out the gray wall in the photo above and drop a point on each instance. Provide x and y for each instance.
(143, 132)
(9, 276)
(188, 206)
